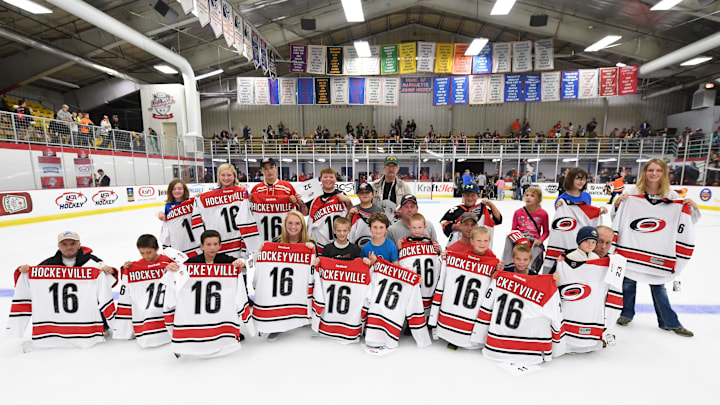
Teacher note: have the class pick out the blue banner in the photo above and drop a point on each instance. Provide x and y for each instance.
(306, 90)
(532, 88)
(441, 90)
(513, 88)
(459, 89)
(482, 62)
(357, 90)
(274, 95)
(569, 85)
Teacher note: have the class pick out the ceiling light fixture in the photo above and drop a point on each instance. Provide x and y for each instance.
(476, 46)
(608, 160)
(502, 7)
(620, 64)
(570, 160)
(363, 49)
(665, 5)
(209, 74)
(353, 10)
(603, 43)
(29, 6)
(166, 69)
(696, 61)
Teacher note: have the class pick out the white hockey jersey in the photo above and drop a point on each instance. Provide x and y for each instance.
(569, 218)
(269, 211)
(140, 304)
(421, 257)
(182, 228)
(227, 211)
(283, 287)
(204, 304)
(519, 320)
(590, 306)
(395, 297)
(359, 229)
(339, 298)
(322, 213)
(66, 304)
(464, 279)
(656, 236)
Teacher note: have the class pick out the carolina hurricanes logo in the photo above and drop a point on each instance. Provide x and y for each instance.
(564, 224)
(574, 292)
(362, 240)
(647, 225)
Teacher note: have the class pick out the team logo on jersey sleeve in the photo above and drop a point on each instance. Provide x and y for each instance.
(564, 224)
(647, 225)
(574, 292)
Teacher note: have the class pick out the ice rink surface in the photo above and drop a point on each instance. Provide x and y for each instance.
(648, 365)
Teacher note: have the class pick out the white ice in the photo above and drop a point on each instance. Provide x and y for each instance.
(648, 365)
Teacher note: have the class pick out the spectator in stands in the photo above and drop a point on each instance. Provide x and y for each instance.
(644, 128)
(103, 180)
(105, 127)
(525, 182)
(85, 135)
(115, 122)
(591, 126)
(246, 133)
(138, 141)
(153, 138)
(389, 188)
(515, 126)
(23, 118)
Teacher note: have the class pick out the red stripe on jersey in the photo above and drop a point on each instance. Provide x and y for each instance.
(518, 345)
(682, 250)
(583, 330)
(363, 315)
(310, 290)
(484, 316)
(556, 336)
(381, 323)
(196, 221)
(437, 298)
(427, 302)
(124, 311)
(149, 326)
(340, 330)
(224, 247)
(67, 330)
(614, 299)
(317, 307)
(248, 229)
(417, 320)
(245, 315)
(553, 253)
(21, 307)
(667, 263)
(169, 319)
(455, 323)
(270, 314)
(204, 333)
(109, 311)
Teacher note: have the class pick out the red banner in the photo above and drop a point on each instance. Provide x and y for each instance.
(51, 175)
(608, 82)
(83, 172)
(627, 83)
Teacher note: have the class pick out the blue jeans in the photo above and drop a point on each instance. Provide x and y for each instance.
(501, 194)
(666, 317)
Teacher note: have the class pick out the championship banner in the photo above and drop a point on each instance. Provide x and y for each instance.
(608, 82)
(83, 172)
(371, 66)
(373, 90)
(496, 89)
(391, 90)
(501, 57)
(544, 54)
(272, 67)
(203, 12)
(322, 91)
(247, 41)
(627, 80)
(388, 59)
(274, 91)
(459, 89)
(462, 65)
(339, 90)
(263, 55)
(245, 93)
(513, 88)
(522, 56)
(262, 91)
(426, 56)
(588, 83)
(316, 59)
(406, 58)
(51, 175)
(334, 65)
(351, 62)
(238, 31)
(550, 85)
(478, 89)
(287, 89)
(216, 17)
(356, 91)
(531, 92)
(227, 23)
(441, 90)
(255, 49)
(298, 58)
(305, 91)
(569, 89)
(187, 6)
(482, 62)
(443, 58)
(416, 85)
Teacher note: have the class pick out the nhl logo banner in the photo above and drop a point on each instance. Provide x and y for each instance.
(501, 57)
(608, 82)
(544, 54)
(216, 17)
(569, 89)
(462, 65)
(298, 58)
(550, 85)
(482, 62)
(425, 56)
(627, 80)
(203, 12)
(588, 83)
(316, 59)
(227, 23)
(522, 56)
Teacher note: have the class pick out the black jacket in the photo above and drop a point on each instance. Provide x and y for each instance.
(219, 258)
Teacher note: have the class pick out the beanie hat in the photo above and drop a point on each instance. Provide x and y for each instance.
(585, 233)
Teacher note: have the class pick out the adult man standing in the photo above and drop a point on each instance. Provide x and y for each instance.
(604, 243)
(64, 114)
(486, 212)
(467, 222)
(467, 178)
(389, 189)
(481, 181)
(103, 180)
(525, 182)
(271, 185)
(408, 208)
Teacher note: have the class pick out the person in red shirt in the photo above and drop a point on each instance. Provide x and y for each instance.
(468, 222)
(271, 185)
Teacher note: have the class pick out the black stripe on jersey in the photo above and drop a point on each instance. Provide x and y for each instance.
(19, 314)
(380, 328)
(223, 336)
(351, 339)
(599, 325)
(121, 317)
(67, 336)
(471, 320)
(21, 301)
(107, 304)
(529, 353)
(422, 314)
(645, 252)
(67, 323)
(451, 329)
(124, 305)
(495, 335)
(151, 332)
(205, 325)
(169, 312)
(153, 318)
(652, 266)
(385, 319)
(687, 245)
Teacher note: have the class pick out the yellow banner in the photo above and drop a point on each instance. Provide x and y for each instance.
(444, 58)
(406, 55)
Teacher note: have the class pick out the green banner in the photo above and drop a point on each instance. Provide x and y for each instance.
(388, 60)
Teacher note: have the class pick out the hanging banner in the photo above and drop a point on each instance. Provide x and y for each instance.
(262, 91)
(203, 12)
(287, 88)
(482, 62)
(298, 58)
(322, 90)
(187, 6)
(425, 56)
(588, 83)
(373, 90)
(245, 92)
(531, 90)
(388, 59)
(550, 85)
(391, 90)
(274, 91)
(51, 172)
(238, 31)
(272, 67)
(83, 172)
(351, 61)
(627, 80)
(305, 91)
(522, 56)
(416, 85)
(406, 58)
(256, 49)
(608, 82)
(544, 54)
(247, 41)
(462, 65)
(339, 90)
(569, 89)
(216, 17)
(496, 89)
(513, 88)
(228, 26)
(459, 89)
(441, 90)
(263, 56)
(316, 59)
(371, 66)
(443, 58)
(501, 57)
(478, 89)
(334, 65)
(356, 91)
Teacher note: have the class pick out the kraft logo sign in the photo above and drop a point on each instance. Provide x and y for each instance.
(105, 197)
(84, 169)
(71, 200)
(146, 191)
(15, 203)
(161, 103)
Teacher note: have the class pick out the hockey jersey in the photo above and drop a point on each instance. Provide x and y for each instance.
(269, 211)
(657, 236)
(227, 211)
(66, 304)
(182, 228)
(339, 299)
(569, 218)
(322, 213)
(519, 320)
(421, 257)
(394, 298)
(517, 237)
(359, 229)
(204, 304)
(464, 279)
(452, 217)
(283, 287)
(590, 305)
(140, 304)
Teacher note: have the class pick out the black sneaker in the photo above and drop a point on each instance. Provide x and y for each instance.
(681, 331)
(241, 337)
(452, 347)
(623, 321)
